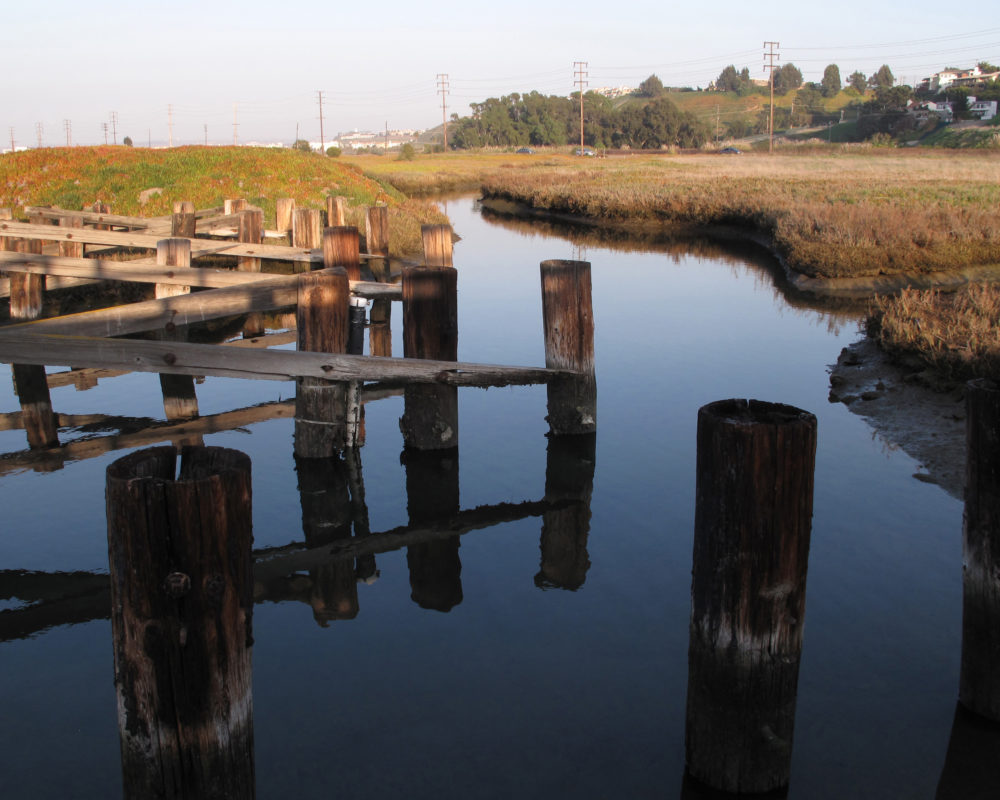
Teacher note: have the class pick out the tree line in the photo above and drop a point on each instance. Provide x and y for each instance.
(517, 120)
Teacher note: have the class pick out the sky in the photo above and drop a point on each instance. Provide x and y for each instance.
(188, 71)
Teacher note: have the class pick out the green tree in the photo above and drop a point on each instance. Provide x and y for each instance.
(786, 78)
(302, 146)
(407, 152)
(958, 96)
(333, 152)
(728, 80)
(986, 66)
(883, 79)
(831, 80)
(858, 81)
(651, 87)
(127, 141)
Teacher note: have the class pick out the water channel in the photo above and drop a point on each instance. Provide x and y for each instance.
(512, 683)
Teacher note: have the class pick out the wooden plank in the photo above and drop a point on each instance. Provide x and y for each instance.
(91, 217)
(20, 345)
(14, 420)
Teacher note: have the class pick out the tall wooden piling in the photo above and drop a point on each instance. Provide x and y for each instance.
(30, 382)
(438, 246)
(342, 248)
(179, 398)
(183, 222)
(307, 228)
(250, 231)
(380, 318)
(568, 320)
(284, 209)
(234, 205)
(6, 243)
(430, 330)
(753, 513)
(181, 619)
(326, 412)
(569, 484)
(336, 212)
(71, 249)
(979, 686)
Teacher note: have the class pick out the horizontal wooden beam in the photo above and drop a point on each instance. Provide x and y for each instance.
(93, 217)
(147, 271)
(20, 346)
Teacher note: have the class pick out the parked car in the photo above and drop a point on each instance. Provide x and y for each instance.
(584, 151)
(526, 151)
(730, 151)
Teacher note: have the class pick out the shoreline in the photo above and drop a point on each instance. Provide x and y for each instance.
(856, 288)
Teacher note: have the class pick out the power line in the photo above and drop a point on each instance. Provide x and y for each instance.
(580, 79)
(443, 90)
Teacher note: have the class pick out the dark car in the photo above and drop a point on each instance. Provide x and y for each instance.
(729, 151)
(526, 151)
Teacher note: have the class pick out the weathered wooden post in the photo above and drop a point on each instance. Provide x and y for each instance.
(971, 768)
(6, 243)
(754, 492)
(179, 398)
(284, 209)
(432, 496)
(250, 231)
(100, 207)
(568, 320)
(569, 484)
(183, 223)
(30, 383)
(380, 319)
(71, 249)
(336, 212)
(326, 517)
(181, 618)
(979, 686)
(307, 231)
(341, 248)
(326, 412)
(234, 205)
(430, 330)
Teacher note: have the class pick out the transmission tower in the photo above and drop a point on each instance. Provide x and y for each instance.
(770, 56)
(170, 125)
(38, 133)
(68, 125)
(104, 126)
(114, 127)
(236, 125)
(442, 89)
(322, 140)
(580, 79)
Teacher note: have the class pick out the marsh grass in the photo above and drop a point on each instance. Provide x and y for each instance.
(75, 177)
(957, 334)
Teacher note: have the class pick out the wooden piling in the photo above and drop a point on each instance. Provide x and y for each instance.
(430, 330)
(6, 242)
(380, 318)
(71, 249)
(569, 483)
(753, 514)
(307, 228)
(100, 207)
(568, 321)
(181, 619)
(341, 248)
(180, 400)
(234, 205)
(437, 241)
(979, 685)
(250, 231)
(326, 412)
(183, 223)
(336, 212)
(377, 230)
(284, 209)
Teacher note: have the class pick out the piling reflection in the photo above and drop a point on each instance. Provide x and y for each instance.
(432, 495)
(569, 481)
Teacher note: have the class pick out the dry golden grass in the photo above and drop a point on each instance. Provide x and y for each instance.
(847, 213)
(957, 334)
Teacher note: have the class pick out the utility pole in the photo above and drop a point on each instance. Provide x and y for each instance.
(236, 125)
(170, 125)
(206, 134)
(387, 136)
(105, 126)
(12, 139)
(38, 134)
(580, 79)
(322, 140)
(114, 127)
(442, 84)
(769, 59)
(68, 125)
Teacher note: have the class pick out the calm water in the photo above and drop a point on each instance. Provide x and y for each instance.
(520, 691)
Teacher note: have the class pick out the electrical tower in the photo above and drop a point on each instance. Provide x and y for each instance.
(206, 134)
(68, 125)
(38, 134)
(236, 125)
(170, 125)
(12, 139)
(322, 140)
(580, 79)
(442, 89)
(104, 126)
(114, 127)
(769, 64)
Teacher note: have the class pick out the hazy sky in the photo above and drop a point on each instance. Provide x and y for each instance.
(73, 63)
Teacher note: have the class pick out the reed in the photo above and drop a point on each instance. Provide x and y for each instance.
(957, 334)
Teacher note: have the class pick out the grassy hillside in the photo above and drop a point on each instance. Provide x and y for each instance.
(142, 182)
